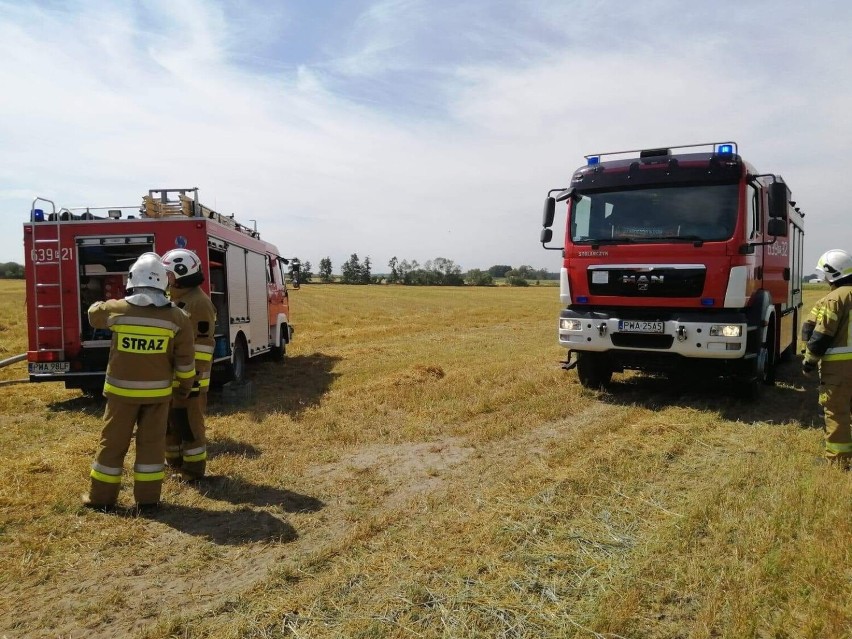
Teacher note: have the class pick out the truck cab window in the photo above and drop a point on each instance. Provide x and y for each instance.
(753, 214)
(700, 212)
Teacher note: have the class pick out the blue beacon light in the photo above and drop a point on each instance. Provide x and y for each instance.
(593, 160)
(726, 149)
(38, 215)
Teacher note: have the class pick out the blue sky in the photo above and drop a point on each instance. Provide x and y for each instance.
(410, 128)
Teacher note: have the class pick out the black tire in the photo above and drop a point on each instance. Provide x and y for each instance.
(93, 392)
(762, 371)
(790, 352)
(594, 370)
(278, 353)
(239, 361)
(766, 372)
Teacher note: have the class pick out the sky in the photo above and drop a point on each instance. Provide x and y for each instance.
(410, 128)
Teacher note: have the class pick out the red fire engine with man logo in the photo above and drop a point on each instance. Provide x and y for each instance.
(675, 259)
(77, 256)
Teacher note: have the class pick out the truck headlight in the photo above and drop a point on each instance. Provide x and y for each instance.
(569, 324)
(726, 330)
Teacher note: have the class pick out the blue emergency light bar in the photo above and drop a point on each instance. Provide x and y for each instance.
(719, 148)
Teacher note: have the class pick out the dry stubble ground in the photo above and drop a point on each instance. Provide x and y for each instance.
(421, 467)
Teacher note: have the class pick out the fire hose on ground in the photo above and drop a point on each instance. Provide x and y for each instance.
(7, 362)
(12, 360)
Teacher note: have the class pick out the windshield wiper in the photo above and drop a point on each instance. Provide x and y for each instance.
(697, 239)
(605, 240)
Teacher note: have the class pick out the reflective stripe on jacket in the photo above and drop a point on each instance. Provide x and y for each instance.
(831, 342)
(150, 347)
(202, 314)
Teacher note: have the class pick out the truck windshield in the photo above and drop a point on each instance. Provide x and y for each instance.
(668, 213)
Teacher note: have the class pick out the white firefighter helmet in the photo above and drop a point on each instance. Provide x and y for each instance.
(148, 271)
(184, 264)
(834, 265)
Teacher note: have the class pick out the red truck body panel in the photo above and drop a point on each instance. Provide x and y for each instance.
(663, 250)
(73, 260)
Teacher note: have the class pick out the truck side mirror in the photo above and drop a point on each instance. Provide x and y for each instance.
(779, 199)
(777, 227)
(549, 212)
(546, 235)
(295, 271)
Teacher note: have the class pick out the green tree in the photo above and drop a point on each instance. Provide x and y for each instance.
(499, 270)
(449, 273)
(11, 270)
(393, 278)
(477, 277)
(438, 272)
(365, 274)
(351, 270)
(325, 270)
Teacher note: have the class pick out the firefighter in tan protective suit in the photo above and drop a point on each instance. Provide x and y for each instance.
(151, 346)
(830, 347)
(186, 438)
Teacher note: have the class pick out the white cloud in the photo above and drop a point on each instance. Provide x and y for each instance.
(101, 104)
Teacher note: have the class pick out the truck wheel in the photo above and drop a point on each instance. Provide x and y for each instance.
(93, 392)
(762, 372)
(766, 358)
(239, 361)
(790, 352)
(594, 370)
(277, 353)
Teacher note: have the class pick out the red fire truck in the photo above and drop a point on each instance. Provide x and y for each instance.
(76, 256)
(676, 259)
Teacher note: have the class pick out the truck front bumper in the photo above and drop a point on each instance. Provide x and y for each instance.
(686, 334)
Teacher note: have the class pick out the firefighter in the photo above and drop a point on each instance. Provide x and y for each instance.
(186, 438)
(809, 324)
(151, 346)
(830, 347)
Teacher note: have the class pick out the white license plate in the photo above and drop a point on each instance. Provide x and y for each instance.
(49, 367)
(640, 326)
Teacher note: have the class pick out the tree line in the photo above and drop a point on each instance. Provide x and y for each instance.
(438, 272)
(11, 271)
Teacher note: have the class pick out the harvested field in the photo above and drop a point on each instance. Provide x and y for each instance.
(420, 466)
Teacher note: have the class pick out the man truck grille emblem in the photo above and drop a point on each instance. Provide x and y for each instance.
(642, 282)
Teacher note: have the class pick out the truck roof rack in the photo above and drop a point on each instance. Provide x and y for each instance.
(720, 148)
(158, 204)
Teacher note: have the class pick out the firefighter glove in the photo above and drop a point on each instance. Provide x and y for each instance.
(181, 393)
(808, 367)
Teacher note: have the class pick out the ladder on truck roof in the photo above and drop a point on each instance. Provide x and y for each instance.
(46, 276)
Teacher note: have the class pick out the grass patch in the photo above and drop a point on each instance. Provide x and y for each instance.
(421, 466)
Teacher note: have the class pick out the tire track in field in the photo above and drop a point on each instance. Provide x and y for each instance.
(395, 475)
